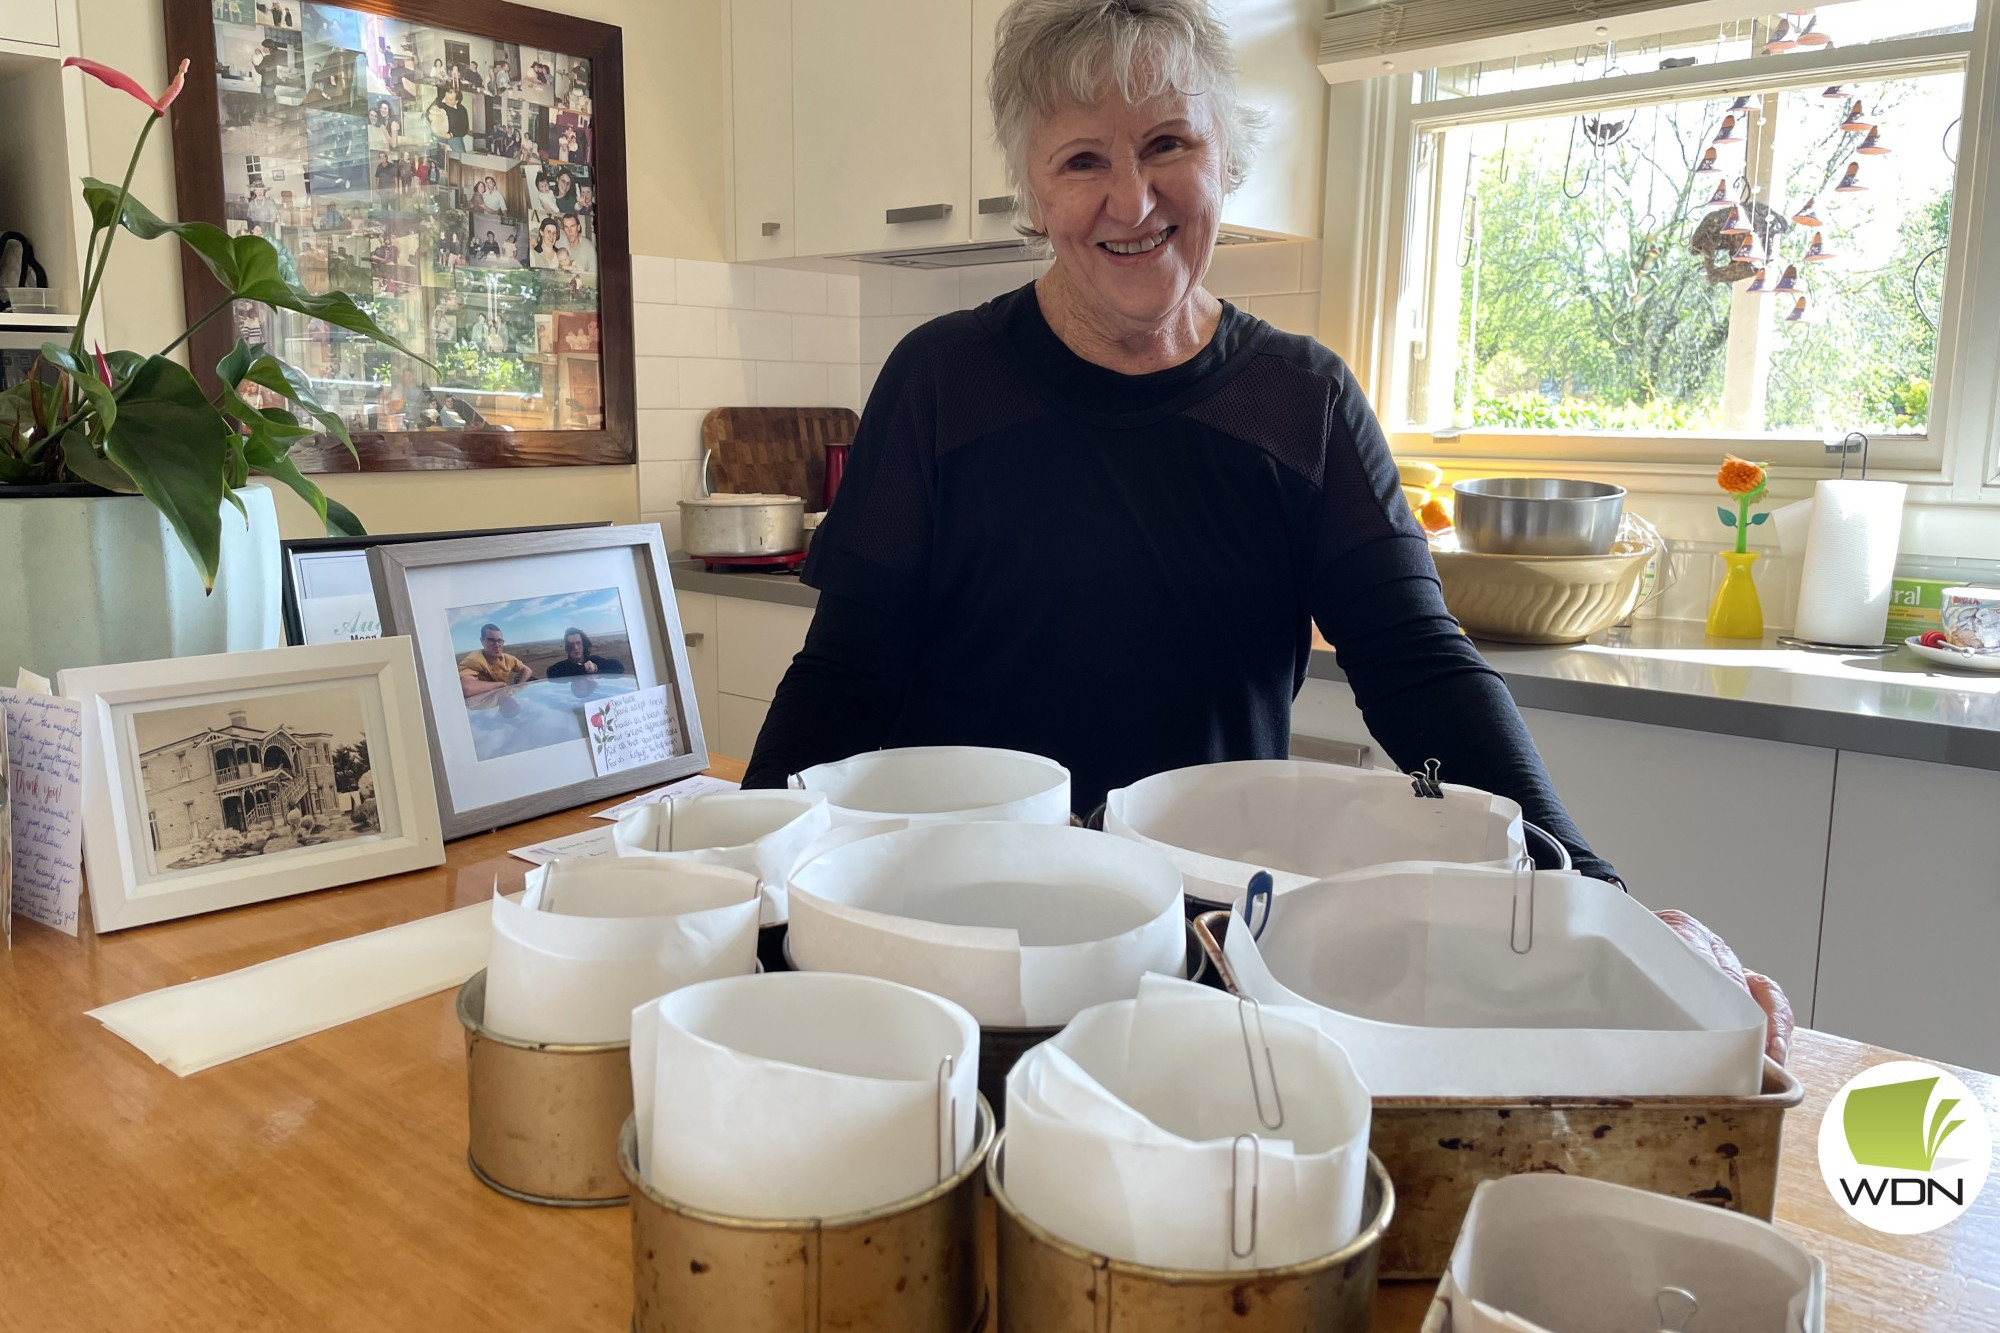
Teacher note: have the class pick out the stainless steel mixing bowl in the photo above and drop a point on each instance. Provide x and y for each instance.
(1537, 515)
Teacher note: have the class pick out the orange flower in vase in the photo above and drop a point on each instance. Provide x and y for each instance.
(1736, 613)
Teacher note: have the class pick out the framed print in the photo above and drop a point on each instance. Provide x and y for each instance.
(459, 170)
(215, 781)
(328, 597)
(527, 646)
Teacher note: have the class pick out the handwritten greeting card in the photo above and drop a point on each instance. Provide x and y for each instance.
(45, 790)
(631, 730)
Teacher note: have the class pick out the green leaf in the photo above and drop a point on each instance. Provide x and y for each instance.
(291, 382)
(260, 277)
(17, 424)
(1728, 518)
(174, 446)
(206, 239)
(340, 520)
(86, 464)
(1755, 519)
(103, 401)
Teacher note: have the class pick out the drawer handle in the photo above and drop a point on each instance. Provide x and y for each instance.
(770, 229)
(999, 203)
(921, 213)
(693, 638)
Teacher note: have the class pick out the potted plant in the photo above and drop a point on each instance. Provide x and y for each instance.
(127, 513)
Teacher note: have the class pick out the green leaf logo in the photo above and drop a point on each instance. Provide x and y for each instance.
(1885, 1125)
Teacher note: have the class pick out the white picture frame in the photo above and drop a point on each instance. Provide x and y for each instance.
(429, 590)
(215, 781)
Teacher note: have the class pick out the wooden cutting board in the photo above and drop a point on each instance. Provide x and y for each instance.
(774, 450)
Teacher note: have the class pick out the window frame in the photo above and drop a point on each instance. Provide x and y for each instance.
(1378, 251)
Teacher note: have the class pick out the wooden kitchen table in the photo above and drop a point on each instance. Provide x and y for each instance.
(322, 1184)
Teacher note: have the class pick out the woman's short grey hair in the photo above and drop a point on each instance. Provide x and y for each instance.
(1056, 53)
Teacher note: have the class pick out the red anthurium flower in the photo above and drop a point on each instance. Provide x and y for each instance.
(103, 366)
(125, 83)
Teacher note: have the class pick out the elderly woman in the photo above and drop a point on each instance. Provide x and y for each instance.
(1097, 517)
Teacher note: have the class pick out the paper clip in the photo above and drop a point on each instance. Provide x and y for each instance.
(1526, 863)
(1260, 890)
(1680, 1300)
(947, 1114)
(1235, 1189)
(1244, 1004)
(1424, 781)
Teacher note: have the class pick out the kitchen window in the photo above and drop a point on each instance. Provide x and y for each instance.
(1745, 236)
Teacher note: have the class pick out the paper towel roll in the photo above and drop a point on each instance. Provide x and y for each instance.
(1850, 561)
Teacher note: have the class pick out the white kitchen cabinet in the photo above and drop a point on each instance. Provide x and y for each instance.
(756, 642)
(844, 113)
(881, 123)
(761, 214)
(992, 198)
(1728, 829)
(1912, 927)
(741, 720)
(698, 630)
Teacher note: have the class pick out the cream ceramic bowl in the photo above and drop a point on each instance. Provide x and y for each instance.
(1541, 598)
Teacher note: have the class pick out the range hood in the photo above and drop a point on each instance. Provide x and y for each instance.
(996, 252)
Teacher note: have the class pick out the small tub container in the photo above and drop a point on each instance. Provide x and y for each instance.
(1048, 1285)
(907, 1267)
(544, 1115)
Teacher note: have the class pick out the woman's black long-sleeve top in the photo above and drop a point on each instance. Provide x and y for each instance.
(1121, 572)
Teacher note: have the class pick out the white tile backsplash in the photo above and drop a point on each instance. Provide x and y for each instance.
(843, 387)
(790, 291)
(652, 280)
(673, 330)
(1294, 312)
(704, 282)
(670, 435)
(826, 338)
(922, 291)
(789, 384)
(713, 383)
(1269, 268)
(659, 381)
(754, 335)
(843, 294)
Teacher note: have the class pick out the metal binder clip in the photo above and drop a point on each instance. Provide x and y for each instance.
(1676, 1307)
(1514, 940)
(1261, 890)
(1424, 782)
(1243, 1004)
(1235, 1191)
(947, 1115)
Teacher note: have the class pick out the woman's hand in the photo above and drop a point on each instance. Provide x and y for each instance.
(1766, 992)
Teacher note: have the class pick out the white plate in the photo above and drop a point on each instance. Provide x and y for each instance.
(1953, 657)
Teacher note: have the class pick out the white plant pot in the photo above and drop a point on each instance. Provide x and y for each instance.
(91, 579)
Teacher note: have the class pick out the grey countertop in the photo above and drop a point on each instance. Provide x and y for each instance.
(1669, 674)
(690, 575)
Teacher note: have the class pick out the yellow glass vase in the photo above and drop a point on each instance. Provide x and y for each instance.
(1736, 613)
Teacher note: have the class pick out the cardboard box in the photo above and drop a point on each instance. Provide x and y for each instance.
(1914, 605)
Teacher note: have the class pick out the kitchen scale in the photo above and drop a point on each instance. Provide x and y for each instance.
(788, 563)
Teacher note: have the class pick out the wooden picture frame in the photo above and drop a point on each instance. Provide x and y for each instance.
(298, 553)
(523, 749)
(596, 145)
(216, 781)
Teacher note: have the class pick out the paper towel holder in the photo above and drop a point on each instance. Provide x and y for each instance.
(1854, 442)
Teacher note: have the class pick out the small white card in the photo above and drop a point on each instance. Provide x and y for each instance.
(693, 786)
(631, 730)
(338, 619)
(44, 738)
(590, 842)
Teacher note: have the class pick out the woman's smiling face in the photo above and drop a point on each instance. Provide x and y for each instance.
(1130, 196)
